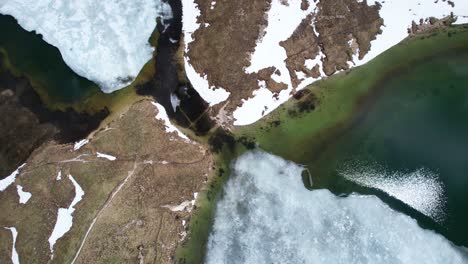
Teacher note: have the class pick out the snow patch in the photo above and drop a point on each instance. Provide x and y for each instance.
(7, 181)
(104, 41)
(200, 83)
(398, 15)
(170, 128)
(266, 215)
(80, 144)
(23, 195)
(59, 176)
(282, 21)
(65, 216)
(105, 156)
(14, 253)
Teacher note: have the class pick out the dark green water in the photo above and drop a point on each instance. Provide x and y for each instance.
(43, 63)
(418, 120)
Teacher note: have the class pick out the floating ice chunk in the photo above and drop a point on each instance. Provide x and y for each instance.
(398, 15)
(104, 41)
(421, 189)
(175, 101)
(200, 83)
(14, 253)
(59, 176)
(80, 144)
(23, 195)
(10, 179)
(65, 216)
(105, 156)
(162, 115)
(266, 215)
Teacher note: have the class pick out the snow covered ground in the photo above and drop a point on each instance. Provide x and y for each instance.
(211, 95)
(105, 156)
(23, 195)
(10, 179)
(104, 41)
(162, 115)
(65, 216)
(283, 20)
(14, 253)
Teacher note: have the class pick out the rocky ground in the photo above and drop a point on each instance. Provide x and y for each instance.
(130, 209)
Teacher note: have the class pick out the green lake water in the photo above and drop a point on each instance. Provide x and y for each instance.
(417, 121)
(43, 63)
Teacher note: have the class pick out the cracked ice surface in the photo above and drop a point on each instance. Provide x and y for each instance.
(104, 41)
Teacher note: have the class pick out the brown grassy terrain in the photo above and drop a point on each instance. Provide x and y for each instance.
(125, 196)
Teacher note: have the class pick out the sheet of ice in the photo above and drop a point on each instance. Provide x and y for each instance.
(23, 195)
(266, 215)
(7, 181)
(162, 115)
(200, 83)
(105, 156)
(14, 253)
(65, 216)
(421, 189)
(80, 144)
(282, 21)
(104, 41)
(398, 15)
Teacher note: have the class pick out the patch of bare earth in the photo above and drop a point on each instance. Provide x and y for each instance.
(123, 198)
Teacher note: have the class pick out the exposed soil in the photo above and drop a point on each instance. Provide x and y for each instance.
(341, 21)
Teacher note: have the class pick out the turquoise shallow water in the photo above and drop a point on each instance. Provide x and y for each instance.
(30, 54)
(410, 147)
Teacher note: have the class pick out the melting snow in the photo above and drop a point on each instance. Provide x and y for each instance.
(65, 216)
(105, 156)
(200, 83)
(80, 144)
(398, 15)
(104, 41)
(14, 253)
(282, 21)
(162, 115)
(10, 179)
(23, 195)
(59, 176)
